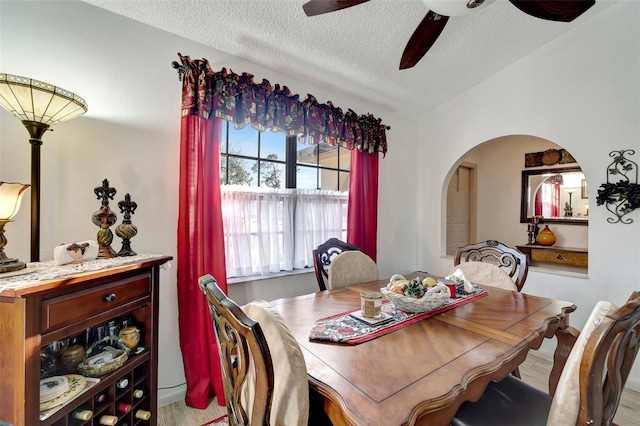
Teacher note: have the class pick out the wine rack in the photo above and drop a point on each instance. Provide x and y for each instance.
(107, 400)
(63, 309)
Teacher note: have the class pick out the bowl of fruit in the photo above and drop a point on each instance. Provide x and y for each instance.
(416, 295)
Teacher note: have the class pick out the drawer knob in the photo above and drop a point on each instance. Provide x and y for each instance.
(111, 297)
(559, 257)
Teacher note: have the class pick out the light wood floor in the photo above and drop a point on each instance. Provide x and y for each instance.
(535, 370)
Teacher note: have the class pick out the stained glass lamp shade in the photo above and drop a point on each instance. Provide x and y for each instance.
(35, 101)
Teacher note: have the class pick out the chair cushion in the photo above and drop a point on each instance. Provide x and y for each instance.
(352, 267)
(486, 274)
(291, 386)
(511, 402)
(566, 401)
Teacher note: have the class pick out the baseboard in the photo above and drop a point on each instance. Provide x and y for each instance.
(169, 396)
(633, 385)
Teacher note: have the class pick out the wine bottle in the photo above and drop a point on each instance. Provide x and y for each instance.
(87, 337)
(101, 397)
(123, 407)
(122, 383)
(143, 415)
(82, 414)
(108, 420)
(138, 393)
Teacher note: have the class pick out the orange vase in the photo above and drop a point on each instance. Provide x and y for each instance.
(546, 237)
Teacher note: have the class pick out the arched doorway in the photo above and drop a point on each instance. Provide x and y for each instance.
(495, 198)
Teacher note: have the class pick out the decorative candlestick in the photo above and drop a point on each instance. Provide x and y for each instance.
(126, 230)
(530, 230)
(104, 218)
(536, 221)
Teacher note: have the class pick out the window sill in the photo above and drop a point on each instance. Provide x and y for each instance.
(239, 280)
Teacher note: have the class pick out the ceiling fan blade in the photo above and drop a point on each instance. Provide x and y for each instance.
(318, 7)
(554, 10)
(422, 39)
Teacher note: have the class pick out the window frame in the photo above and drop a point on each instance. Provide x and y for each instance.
(311, 159)
(290, 162)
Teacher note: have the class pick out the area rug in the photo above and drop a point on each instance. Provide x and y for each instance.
(220, 421)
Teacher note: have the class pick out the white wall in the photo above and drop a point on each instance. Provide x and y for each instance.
(130, 136)
(582, 92)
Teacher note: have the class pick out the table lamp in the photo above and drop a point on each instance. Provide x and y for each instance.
(10, 198)
(39, 105)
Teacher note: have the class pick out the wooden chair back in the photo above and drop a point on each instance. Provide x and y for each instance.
(243, 347)
(590, 386)
(509, 259)
(606, 362)
(324, 254)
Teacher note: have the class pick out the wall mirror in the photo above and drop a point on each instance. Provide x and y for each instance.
(559, 195)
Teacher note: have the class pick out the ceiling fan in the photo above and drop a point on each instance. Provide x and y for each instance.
(434, 22)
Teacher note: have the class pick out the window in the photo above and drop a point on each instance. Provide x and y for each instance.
(280, 199)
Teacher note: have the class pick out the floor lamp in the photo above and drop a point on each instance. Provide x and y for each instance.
(39, 105)
(569, 208)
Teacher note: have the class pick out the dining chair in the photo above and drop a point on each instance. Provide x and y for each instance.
(590, 385)
(352, 267)
(505, 259)
(324, 254)
(264, 372)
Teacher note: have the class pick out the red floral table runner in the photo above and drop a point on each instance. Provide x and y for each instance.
(344, 328)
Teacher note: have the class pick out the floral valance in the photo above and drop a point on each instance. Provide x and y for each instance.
(237, 98)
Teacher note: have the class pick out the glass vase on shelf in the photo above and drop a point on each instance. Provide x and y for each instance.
(50, 358)
(546, 237)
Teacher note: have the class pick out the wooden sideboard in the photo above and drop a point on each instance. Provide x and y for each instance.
(556, 254)
(34, 315)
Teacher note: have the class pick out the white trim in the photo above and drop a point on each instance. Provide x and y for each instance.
(169, 396)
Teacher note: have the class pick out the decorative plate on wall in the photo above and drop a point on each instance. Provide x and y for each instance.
(551, 157)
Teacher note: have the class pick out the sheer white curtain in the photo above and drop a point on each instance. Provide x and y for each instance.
(271, 230)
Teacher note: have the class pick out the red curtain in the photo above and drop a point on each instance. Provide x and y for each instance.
(207, 94)
(200, 252)
(552, 208)
(362, 212)
(237, 98)
(555, 200)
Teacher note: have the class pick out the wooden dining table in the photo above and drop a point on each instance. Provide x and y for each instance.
(420, 374)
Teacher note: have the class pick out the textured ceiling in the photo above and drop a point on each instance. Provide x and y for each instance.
(357, 50)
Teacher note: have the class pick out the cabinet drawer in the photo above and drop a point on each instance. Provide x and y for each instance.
(559, 256)
(73, 307)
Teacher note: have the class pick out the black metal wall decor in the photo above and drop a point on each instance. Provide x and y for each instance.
(621, 197)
